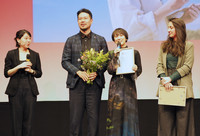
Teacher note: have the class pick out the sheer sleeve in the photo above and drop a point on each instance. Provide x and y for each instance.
(112, 64)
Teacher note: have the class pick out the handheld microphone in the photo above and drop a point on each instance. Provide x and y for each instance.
(28, 56)
(27, 60)
(119, 45)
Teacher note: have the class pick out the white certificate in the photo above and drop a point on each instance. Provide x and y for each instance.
(126, 61)
(175, 97)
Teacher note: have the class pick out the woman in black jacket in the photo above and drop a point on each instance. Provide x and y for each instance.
(22, 65)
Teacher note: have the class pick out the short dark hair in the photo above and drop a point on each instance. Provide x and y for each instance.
(19, 35)
(86, 11)
(119, 31)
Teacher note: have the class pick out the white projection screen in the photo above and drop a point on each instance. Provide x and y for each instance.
(52, 22)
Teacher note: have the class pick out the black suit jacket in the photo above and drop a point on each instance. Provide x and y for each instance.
(71, 58)
(11, 61)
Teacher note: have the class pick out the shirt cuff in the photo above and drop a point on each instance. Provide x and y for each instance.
(162, 75)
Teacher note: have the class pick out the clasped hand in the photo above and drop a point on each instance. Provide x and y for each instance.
(85, 76)
(26, 65)
(166, 82)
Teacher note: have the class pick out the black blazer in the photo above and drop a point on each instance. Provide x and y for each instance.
(71, 58)
(11, 61)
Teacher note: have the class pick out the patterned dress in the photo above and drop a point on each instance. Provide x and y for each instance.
(122, 117)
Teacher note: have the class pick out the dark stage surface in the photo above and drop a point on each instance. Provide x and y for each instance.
(52, 118)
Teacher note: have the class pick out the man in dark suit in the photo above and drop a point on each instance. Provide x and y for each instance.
(83, 96)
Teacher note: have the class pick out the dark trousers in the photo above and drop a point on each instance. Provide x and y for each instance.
(176, 121)
(22, 106)
(84, 97)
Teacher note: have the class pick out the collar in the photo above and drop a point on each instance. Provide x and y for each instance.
(85, 36)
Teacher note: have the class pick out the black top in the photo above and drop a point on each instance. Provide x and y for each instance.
(85, 41)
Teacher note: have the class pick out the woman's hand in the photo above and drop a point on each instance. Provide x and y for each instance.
(29, 70)
(116, 51)
(135, 68)
(26, 64)
(168, 87)
(165, 80)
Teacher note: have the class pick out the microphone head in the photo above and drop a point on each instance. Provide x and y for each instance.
(28, 56)
(119, 45)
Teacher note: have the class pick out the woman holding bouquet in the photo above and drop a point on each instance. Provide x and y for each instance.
(122, 117)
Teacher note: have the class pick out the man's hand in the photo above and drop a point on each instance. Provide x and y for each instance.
(92, 76)
(83, 75)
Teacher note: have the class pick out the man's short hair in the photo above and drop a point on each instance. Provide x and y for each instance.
(86, 11)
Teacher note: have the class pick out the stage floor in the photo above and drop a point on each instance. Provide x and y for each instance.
(52, 118)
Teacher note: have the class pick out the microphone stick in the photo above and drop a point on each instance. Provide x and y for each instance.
(119, 45)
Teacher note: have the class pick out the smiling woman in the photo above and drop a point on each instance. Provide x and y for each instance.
(174, 68)
(22, 89)
(171, 30)
(122, 102)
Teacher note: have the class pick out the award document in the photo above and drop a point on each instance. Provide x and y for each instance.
(126, 61)
(175, 97)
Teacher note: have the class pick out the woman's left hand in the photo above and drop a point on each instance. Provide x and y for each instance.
(165, 80)
(168, 87)
(29, 70)
(134, 68)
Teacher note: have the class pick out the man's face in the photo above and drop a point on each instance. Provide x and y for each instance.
(84, 21)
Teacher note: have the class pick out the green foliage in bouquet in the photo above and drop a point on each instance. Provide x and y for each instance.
(93, 61)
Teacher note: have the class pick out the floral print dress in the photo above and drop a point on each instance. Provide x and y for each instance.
(122, 117)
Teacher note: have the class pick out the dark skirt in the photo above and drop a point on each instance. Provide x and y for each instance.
(122, 117)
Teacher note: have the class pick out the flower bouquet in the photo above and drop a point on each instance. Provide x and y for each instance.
(93, 61)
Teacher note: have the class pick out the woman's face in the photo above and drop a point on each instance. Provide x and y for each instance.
(25, 41)
(120, 38)
(171, 30)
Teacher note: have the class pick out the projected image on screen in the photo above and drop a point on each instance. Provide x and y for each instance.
(54, 21)
(146, 20)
